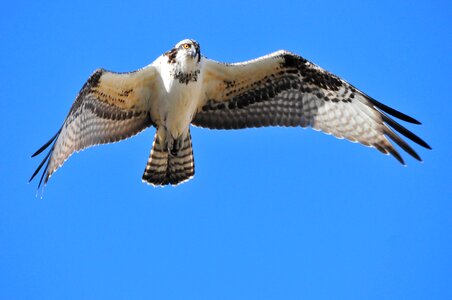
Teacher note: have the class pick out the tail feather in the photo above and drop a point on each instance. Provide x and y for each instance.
(164, 168)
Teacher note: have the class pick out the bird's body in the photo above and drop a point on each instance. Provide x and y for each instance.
(178, 97)
(181, 88)
(177, 107)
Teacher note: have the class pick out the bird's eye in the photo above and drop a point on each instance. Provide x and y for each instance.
(186, 46)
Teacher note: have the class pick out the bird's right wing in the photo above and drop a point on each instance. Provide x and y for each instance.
(284, 89)
(109, 107)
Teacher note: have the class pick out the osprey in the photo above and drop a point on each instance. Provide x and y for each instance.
(182, 87)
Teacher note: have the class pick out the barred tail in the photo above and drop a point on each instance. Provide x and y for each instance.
(165, 168)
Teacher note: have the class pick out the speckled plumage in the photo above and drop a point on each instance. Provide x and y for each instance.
(182, 87)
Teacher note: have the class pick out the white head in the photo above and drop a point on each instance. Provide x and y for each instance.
(185, 49)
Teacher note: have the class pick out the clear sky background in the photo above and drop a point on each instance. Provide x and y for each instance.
(272, 213)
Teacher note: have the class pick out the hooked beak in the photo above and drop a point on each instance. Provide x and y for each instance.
(193, 53)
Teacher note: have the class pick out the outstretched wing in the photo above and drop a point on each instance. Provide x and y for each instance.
(284, 89)
(109, 107)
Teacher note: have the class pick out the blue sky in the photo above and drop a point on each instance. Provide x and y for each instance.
(272, 213)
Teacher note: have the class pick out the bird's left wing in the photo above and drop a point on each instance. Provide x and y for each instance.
(284, 89)
(109, 107)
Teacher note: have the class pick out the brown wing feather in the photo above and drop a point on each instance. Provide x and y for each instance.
(283, 89)
(109, 107)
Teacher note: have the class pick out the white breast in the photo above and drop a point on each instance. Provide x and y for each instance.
(178, 100)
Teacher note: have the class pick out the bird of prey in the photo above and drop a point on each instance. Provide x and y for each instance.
(182, 88)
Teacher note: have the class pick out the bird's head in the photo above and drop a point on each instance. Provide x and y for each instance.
(185, 49)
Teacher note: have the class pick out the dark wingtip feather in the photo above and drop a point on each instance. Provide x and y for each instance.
(405, 131)
(46, 144)
(46, 159)
(44, 174)
(40, 166)
(402, 144)
(390, 150)
(397, 156)
(393, 112)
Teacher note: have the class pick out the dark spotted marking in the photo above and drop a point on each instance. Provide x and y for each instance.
(106, 111)
(104, 97)
(272, 85)
(125, 93)
(187, 77)
(198, 50)
(292, 61)
(92, 82)
(322, 79)
(229, 83)
(265, 89)
(171, 55)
